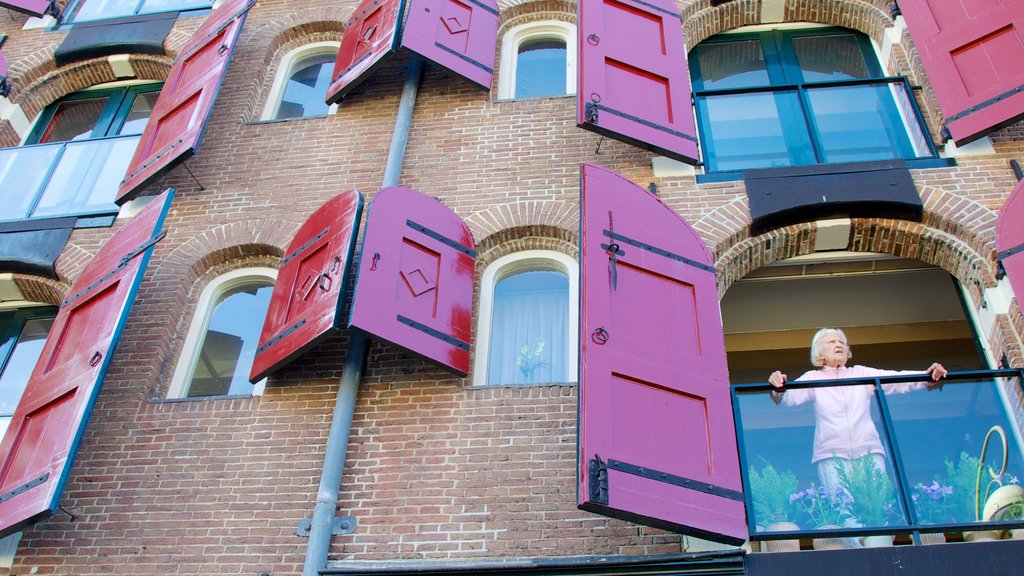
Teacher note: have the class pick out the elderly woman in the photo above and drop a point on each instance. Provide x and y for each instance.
(843, 430)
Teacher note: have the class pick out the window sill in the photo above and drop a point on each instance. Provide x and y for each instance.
(912, 164)
(201, 399)
(530, 385)
(282, 120)
(534, 98)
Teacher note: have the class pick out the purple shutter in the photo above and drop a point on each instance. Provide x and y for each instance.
(633, 82)
(371, 34)
(5, 87)
(972, 52)
(306, 304)
(176, 125)
(31, 7)
(40, 444)
(657, 441)
(460, 35)
(415, 282)
(1010, 240)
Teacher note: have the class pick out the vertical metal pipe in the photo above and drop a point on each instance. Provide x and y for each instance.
(345, 404)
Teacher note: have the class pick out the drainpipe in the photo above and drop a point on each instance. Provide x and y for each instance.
(345, 403)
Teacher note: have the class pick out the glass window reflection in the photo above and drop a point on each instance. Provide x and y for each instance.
(541, 68)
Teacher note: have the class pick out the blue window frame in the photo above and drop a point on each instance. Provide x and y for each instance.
(91, 10)
(798, 97)
(76, 154)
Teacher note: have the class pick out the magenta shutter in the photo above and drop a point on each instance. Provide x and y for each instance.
(31, 7)
(176, 125)
(633, 82)
(415, 282)
(48, 423)
(460, 35)
(5, 87)
(972, 52)
(306, 304)
(370, 35)
(1010, 240)
(656, 435)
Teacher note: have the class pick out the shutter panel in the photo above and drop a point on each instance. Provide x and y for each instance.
(657, 439)
(633, 81)
(306, 304)
(370, 35)
(5, 87)
(44, 433)
(36, 8)
(1010, 240)
(972, 51)
(460, 35)
(176, 125)
(415, 282)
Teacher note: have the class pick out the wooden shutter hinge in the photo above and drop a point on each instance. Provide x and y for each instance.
(121, 264)
(597, 471)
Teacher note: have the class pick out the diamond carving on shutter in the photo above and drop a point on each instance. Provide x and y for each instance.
(460, 35)
(371, 34)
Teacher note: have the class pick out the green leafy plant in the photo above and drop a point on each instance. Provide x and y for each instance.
(962, 475)
(932, 502)
(531, 359)
(823, 507)
(869, 487)
(770, 491)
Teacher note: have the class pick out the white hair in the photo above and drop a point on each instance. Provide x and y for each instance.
(817, 359)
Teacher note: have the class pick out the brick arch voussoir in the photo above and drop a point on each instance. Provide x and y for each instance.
(527, 11)
(38, 289)
(543, 213)
(963, 218)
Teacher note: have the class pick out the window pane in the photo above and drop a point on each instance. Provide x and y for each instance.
(858, 123)
(223, 363)
(541, 68)
(139, 113)
(529, 329)
(836, 57)
(74, 120)
(306, 89)
(21, 362)
(761, 130)
(732, 65)
(153, 6)
(22, 172)
(100, 9)
(87, 177)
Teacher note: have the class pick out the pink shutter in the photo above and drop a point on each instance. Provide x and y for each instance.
(1010, 240)
(370, 35)
(972, 51)
(176, 125)
(5, 87)
(460, 35)
(306, 304)
(415, 282)
(31, 7)
(40, 443)
(633, 81)
(656, 435)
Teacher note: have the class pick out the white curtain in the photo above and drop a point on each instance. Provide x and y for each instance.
(529, 329)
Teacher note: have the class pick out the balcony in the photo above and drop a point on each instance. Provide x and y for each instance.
(75, 178)
(951, 456)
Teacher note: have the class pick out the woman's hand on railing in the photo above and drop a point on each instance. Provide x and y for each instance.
(778, 381)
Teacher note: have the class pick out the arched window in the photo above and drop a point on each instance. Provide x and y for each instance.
(538, 60)
(301, 85)
(222, 340)
(528, 317)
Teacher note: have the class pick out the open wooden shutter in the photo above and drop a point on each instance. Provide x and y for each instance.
(40, 444)
(1010, 240)
(633, 81)
(306, 304)
(460, 35)
(972, 52)
(36, 8)
(370, 35)
(5, 87)
(414, 287)
(179, 116)
(657, 443)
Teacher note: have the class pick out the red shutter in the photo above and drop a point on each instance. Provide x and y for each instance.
(415, 282)
(972, 52)
(370, 35)
(30, 7)
(40, 443)
(657, 439)
(633, 82)
(306, 305)
(176, 125)
(1010, 240)
(460, 35)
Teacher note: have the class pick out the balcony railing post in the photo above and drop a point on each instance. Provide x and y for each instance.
(898, 470)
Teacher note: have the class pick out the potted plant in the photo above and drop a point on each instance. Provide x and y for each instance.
(825, 510)
(872, 494)
(531, 359)
(770, 491)
(932, 503)
(962, 475)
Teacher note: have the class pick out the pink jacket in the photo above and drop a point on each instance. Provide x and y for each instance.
(843, 426)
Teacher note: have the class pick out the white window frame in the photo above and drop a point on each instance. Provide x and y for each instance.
(289, 62)
(210, 297)
(517, 35)
(512, 264)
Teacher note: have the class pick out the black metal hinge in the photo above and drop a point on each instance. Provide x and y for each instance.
(121, 264)
(597, 471)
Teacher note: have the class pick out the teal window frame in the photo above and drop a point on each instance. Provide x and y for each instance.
(69, 20)
(12, 324)
(111, 119)
(800, 129)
